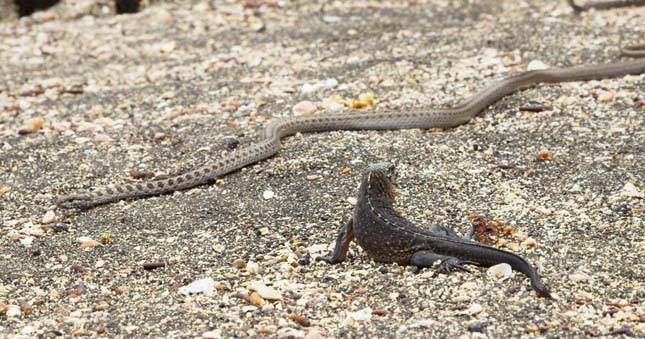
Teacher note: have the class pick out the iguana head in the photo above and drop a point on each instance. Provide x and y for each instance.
(380, 180)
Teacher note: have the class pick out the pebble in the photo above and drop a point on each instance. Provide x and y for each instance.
(536, 65)
(630, 190)
(304, 108)
(87, 242)
(543, 155)
(13, 311)
(49, 217)
(476, 327)
(268, 195)
(331, 105)
(605, 96)
(239, 263)
(361, 315)
(4, 189)
(215, 334)
(205, 286)
(27, 241)
(580, 276)
(256, 299)
(310, 88)
(364, 100)
(472, 309)
(529, 242)
(103, 138)
(300, 319)
(253, 267)
(266, 292)
(500, 271)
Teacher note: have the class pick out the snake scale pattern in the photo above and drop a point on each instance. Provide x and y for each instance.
(392, 120)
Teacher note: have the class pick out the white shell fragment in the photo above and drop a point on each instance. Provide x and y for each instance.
(304, 108)
(472, 309)
(268, 293)
(629, 190)
(49, 217)
(500, 271)
(205, 286)
(361, 315)
(536, 65)
(580, 277)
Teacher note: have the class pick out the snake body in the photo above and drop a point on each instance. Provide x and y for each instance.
(392, 120)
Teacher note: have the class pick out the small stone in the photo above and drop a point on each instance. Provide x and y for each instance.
(310, 88)
(472, 309)
(103, 138)
(532, 328)
(543, 155)
(629, 190)
(513, 246)
(13, 311)
(256, 299)
(476, 327)
(26, 308)
(268, 293)
(536, 65)
(159, 137)
(268, 195)
(605, 96)
(364, 100)
(239, 263)
(49, 217)
(253, 267)
(27, 241)
(205, 286)
(300, 319)
(59, 228)
(361, 315)
(352, 200)
(529, 242)
(312, 177)
(4, 189)
(87, 242)
(580, 276)
(347, 170)
(304, 108)
(500, 271)
(380, 311)
(215, 334)
(470, 285)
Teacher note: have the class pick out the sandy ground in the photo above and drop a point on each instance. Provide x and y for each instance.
(86, 97)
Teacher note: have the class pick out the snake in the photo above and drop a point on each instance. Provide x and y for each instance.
(275, 130)
(605, 4)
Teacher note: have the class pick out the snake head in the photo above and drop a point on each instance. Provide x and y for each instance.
(381, 176)
(74, 201)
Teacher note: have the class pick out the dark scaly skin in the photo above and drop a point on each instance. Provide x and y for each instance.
(390, 238)
(605, 4)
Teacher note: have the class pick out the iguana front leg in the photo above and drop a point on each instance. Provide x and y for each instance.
(345, 236)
